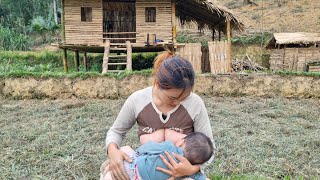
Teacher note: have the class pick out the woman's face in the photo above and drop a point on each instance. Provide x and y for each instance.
(173, 97)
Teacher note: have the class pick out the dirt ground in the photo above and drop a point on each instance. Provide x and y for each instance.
(64, 139)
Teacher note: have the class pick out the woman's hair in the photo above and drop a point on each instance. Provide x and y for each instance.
(198, 149)
(173, 71)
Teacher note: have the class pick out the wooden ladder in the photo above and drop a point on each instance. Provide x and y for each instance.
(123, 56)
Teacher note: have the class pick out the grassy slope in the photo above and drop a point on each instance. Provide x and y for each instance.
(64, 139)
(292, 16)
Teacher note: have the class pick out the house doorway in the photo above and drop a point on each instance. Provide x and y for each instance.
(119, 20)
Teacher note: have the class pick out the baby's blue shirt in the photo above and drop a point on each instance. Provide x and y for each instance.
(149, 158)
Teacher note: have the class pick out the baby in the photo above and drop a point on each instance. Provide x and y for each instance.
(196, 147)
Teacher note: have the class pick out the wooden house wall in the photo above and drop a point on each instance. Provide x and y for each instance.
(162, 28)
(293, 59)
(77, 32)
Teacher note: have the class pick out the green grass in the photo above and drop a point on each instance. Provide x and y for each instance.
(82, 75)
(258, 38)
(33, 63)
(49, 65)
(298, 73)
(256, 138)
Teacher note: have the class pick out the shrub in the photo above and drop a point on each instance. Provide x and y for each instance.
(52, 61)
(11, 40)
(143, 61)
(258, 38)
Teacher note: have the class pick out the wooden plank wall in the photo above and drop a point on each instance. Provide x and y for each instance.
(163, 25)
(293, 59)
(78, 32)
(192, 52)
(314, 68)
(219, 57)
(119, 17)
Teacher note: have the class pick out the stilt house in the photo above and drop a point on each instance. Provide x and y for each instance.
(136, 25)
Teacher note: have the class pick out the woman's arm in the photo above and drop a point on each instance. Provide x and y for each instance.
(202, 124)
(124, 122)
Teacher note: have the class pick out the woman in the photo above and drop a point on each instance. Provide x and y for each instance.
(168, 106)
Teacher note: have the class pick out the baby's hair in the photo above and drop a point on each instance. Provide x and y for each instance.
(198, 148)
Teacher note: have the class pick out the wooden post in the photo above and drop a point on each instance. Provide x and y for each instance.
(129, 56)
(229, 65)
(106, 57)
(85, 62)
(228, 30)
(284, 57)
(76, 59)
(65, 60)
(174, 24)
(63, 34)
(213, 32)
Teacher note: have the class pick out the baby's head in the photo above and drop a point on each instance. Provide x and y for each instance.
(197, 148)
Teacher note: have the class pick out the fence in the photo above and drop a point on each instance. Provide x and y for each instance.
(192, 52)
(215, 58)
(219, 57)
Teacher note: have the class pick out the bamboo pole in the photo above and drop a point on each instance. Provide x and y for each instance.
(129, 56)
(229, 65)
(213, 32)
(65, 60)
(85, 61)
(106, 57)
(63, 33)
(76, 60)
(174, 24)
(54, 4)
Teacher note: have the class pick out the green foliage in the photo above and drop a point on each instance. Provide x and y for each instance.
(143, 60)
(71, 75)
(12, 61)
(298, 73)
(21, 22)
(49, 64)
(39, 25)
(184, 37)
(11, 40)
(259, 38)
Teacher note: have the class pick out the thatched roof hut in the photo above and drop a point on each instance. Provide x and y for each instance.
(294, 40)
(295, 51)
(207, 15)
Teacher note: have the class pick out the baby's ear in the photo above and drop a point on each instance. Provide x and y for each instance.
(180, 143)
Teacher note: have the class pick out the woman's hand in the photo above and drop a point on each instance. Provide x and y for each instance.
(182, 168)
(116, 158)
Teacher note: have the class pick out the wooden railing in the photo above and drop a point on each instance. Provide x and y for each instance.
(117, 37)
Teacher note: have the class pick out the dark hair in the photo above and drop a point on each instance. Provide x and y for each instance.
(173, 72)
(198, 148)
